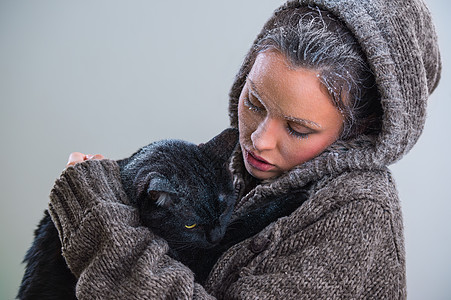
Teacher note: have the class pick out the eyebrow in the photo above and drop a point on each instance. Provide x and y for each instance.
(302, 122)
(299, 121)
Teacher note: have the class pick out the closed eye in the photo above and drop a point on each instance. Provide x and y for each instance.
(191, 226)
(297, 134)
(252, 101)
(252, 106)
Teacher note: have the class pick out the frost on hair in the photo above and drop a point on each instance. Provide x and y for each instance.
(314, 39)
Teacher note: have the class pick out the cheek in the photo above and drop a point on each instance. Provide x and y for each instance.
(305, 151)
(241, 121)
(247, 123)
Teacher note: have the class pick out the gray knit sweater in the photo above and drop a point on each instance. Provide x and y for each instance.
(345, 242)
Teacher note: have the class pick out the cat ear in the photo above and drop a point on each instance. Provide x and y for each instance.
(159, 183)
(222, 145)
(164, 199)
(160, 190)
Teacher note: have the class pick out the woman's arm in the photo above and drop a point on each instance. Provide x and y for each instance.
(104, 245)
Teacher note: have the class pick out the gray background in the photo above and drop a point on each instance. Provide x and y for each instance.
(111, 76)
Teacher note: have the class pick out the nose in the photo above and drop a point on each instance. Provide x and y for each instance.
(215, 235)
(265, 136)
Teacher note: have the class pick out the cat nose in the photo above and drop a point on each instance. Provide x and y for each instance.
(215, 235)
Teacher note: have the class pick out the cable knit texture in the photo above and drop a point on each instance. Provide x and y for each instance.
(345, 242)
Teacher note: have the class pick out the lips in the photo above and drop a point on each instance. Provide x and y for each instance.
(258, 162)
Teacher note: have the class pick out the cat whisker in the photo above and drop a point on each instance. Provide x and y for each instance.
(234, 225)
(185, 247)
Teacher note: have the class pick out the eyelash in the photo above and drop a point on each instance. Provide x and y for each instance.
(252, 106)
(290, 130)
(296, 134)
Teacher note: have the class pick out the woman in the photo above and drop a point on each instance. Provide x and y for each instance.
(329, 95)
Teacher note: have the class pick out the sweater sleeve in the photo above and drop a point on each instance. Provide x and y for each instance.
(104, 245)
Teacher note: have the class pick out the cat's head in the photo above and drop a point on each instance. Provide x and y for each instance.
(184, 192)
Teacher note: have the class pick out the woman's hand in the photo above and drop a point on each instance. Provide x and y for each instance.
(76, 157)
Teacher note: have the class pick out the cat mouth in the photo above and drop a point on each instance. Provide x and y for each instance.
(210, 246)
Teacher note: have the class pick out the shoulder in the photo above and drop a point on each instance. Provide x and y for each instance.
(360, 205)
(353, 194)
(376, 186)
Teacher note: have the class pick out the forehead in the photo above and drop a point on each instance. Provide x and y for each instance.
(289, 91)
(272, 73)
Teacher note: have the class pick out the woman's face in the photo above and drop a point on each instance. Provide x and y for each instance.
(285, 116)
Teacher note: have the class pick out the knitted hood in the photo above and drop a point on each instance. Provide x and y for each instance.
(400, 44)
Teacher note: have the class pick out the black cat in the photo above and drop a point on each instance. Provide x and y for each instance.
(184, 193)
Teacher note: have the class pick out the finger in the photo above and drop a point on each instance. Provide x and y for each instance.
(98, 156)
(90, 156)
(74, 158)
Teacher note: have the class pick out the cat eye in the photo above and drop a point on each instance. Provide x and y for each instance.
(191, 226)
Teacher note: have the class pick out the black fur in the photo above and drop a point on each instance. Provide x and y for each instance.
(189, 186)
(46, 275)
(173, 184)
